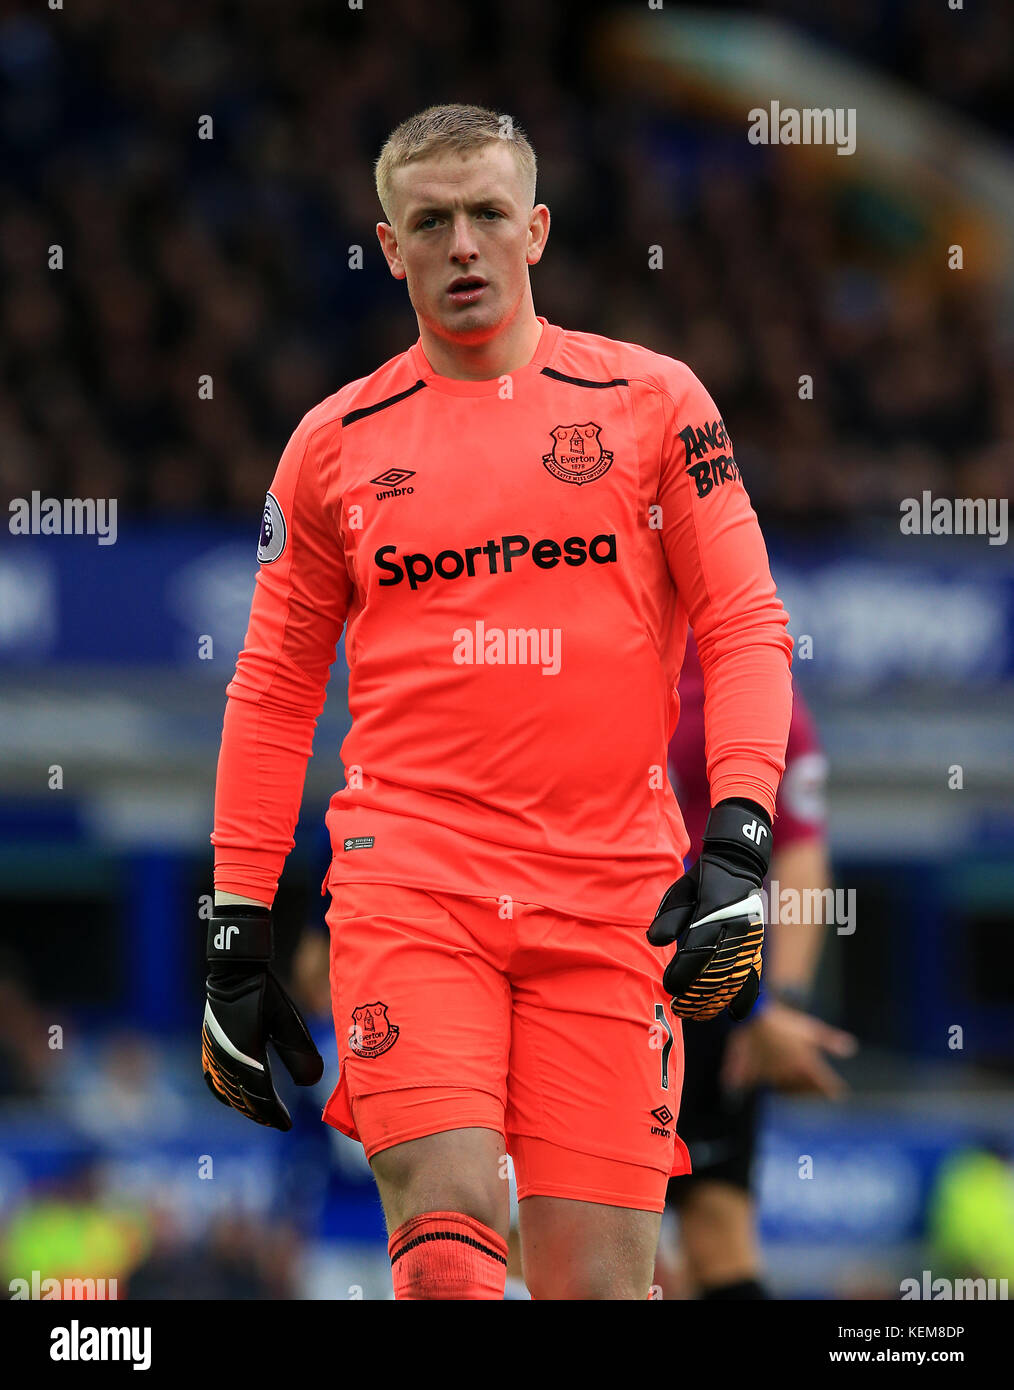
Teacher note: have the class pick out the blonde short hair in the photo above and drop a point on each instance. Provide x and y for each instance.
(458, 128)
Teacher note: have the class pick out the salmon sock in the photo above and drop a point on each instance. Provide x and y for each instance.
(443, 1254)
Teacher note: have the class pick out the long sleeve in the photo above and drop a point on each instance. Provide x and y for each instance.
(719, 564)
(299, 607)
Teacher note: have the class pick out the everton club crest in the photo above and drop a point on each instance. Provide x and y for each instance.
(578, 456)
(373, 1032)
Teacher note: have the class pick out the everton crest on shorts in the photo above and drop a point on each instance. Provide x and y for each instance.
(372, 1032)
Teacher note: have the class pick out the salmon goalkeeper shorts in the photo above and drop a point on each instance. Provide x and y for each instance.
(457, 1012)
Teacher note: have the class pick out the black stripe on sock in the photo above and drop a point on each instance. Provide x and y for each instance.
(447, 1235)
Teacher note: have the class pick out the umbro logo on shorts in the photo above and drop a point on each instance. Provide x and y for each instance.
(664, 1117)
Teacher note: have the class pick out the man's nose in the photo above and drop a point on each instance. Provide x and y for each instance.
(463, 240)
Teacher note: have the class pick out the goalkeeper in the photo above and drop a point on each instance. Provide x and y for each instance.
(513, 523)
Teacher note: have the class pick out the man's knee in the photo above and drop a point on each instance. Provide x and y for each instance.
(454, 1171)
(588, 1284)
(587, 1251)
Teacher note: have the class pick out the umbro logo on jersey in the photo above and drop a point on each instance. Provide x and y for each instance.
(390, 480)
(577, 455)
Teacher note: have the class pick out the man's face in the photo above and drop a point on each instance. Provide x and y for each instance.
(465, 219)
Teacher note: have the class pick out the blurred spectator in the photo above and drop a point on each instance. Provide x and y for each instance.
(73, 1232)
(971, 1216)
(236, 1258)
(227, 258)
(123, 1090)
(26, 1060)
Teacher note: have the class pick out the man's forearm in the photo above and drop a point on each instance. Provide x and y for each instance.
(259, 788)
(234, 900)
(800, 868)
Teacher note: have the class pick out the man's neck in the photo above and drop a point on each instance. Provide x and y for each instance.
(498, 356)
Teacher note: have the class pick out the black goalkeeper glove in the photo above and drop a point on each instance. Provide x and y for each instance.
(715, 915)
(246, 1009)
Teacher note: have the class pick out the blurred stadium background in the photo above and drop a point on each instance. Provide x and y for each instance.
(230, 257)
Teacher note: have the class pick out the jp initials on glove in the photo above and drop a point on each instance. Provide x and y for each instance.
(246, 1009)
(715, 915)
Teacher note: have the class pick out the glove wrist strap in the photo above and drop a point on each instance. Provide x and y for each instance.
(743, 832)
(241, 934)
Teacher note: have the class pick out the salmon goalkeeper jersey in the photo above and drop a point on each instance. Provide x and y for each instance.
(514, 563)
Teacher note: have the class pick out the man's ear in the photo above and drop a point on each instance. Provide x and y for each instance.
(538, 234)
(389, 245)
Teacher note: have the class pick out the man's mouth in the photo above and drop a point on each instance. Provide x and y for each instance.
(466, 289)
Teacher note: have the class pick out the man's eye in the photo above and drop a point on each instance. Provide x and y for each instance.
(492, 212)
(422, 224)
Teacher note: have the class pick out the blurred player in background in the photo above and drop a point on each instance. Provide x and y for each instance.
(508, 826)
(780, 1045)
